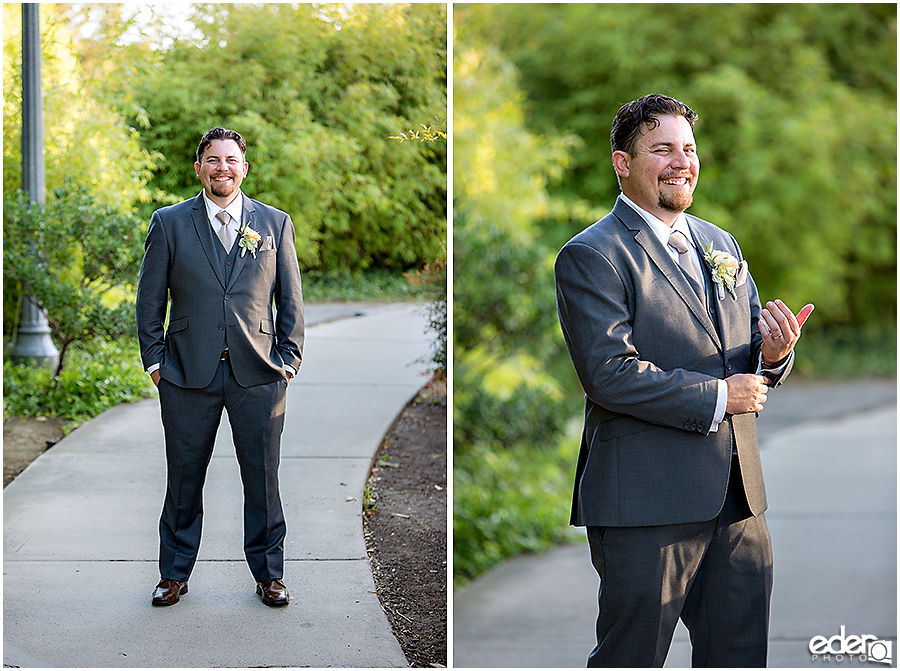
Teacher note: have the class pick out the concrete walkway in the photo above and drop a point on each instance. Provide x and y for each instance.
(829, 454)
(80, 525)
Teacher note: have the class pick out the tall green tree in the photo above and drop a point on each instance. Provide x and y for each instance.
(87, 145)
(510, 476)
(317, 91)
(86, 139)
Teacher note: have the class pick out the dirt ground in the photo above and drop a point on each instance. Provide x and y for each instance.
(25, 439)
(405, 527)
(405, 522)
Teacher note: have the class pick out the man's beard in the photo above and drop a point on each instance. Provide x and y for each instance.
(222, 189)
(678, 202)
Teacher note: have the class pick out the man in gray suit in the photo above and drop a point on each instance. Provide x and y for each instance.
(226, 267)
(675, 354)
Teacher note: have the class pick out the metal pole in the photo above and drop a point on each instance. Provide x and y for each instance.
(33, 180)
(33, 343)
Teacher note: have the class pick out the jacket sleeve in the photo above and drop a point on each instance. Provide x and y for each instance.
(595, 307)
(152, 294)
(289, 319)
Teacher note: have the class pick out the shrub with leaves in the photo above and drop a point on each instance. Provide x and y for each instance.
(78, 259)
(101, 374)
(431, 282)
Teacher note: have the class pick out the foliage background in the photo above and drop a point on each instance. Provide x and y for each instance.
(797, 139)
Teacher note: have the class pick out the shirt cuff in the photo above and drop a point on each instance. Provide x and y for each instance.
(775, 371)
(721, 403)
(153, 368)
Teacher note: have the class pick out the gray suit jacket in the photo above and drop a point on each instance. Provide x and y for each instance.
(649, 356)
(255, 310)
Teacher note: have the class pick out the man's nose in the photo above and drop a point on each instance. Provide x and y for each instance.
(680, 159)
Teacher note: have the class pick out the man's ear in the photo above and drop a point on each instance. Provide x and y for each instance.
(622, 163)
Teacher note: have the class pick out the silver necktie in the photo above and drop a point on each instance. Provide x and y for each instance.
(679, 242)
(224, 233)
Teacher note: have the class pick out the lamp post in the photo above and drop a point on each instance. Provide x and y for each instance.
(33, 341)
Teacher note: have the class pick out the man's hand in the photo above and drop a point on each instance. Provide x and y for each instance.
(746, 393)
(288, 375)
(155, 377)
(780, 330)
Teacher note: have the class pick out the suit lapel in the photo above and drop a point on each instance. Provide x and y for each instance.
(204, 232)
(724, 314)
(664, 263)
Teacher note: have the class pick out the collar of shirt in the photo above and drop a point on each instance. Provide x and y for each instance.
(235, 209)
(662, 230)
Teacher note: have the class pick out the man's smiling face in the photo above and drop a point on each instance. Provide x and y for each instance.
(662, 174)
(221, 170)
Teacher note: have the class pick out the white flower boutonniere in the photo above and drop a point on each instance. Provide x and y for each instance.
(724, 270)
(249, 240)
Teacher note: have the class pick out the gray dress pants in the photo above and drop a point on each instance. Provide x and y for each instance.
(191, 420)
(716, 576)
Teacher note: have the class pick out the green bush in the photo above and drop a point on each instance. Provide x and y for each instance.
(99, 375)
(509, 499)
(77, 258)
(381, 286)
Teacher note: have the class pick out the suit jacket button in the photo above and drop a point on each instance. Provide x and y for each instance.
(221, 327)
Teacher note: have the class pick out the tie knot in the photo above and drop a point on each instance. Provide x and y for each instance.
(679, 241)
(224, 217)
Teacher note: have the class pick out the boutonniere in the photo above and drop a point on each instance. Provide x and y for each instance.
(249, 240)
(724, 270)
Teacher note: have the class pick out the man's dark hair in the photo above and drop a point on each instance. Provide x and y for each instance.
(627, 126)
(220, 134)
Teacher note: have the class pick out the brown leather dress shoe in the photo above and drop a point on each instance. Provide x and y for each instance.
(168, 592)
(273, 592)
